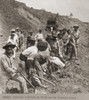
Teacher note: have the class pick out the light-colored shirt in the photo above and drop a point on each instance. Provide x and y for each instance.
(65, 37)
(56, 61)
(39, 36)
(75, 36)
(7, 67)
(7, 70)
(14, 40)
(30, 52)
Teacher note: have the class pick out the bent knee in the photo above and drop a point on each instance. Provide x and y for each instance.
(22, 80)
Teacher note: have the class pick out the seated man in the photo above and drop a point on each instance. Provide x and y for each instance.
(8, 70)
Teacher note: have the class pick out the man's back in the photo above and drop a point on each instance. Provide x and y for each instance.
(30, 52)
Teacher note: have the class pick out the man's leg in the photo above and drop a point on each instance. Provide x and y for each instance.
(39, 71)
(75, 49)
(22, 82)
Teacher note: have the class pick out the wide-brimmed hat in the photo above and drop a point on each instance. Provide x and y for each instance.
(9, 45)
(42, 45)
(17, 28)
(12, 30)
(76, 26)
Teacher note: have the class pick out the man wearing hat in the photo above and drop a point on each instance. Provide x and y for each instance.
(13, 38)
(31, 66)
(54, 45)
(39, 36)
(30, 54)
(75, 38)
(21, 42)
(44, 57)
(30, 35)
(40, 59)
(8, 70)
(18, 32)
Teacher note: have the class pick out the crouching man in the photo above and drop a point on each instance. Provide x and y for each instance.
(8, 70)
(32, 64)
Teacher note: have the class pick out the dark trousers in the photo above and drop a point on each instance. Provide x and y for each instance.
(29, 64)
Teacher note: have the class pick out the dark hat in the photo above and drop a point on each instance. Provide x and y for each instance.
(9, 45)
(76, 26)
(40, 30)
(42, 45)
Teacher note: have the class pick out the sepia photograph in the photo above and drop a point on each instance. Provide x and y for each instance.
(44, 47)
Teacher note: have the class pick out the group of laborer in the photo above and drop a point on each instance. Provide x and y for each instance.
(41, 56)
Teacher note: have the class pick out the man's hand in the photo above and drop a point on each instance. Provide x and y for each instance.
(19, 69)
(15, 74)
(31, 71)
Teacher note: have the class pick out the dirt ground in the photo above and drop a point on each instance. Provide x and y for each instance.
(71, 80)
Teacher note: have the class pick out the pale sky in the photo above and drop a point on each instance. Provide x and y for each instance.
(79, 8)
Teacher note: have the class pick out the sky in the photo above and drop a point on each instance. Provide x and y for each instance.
(79, 8)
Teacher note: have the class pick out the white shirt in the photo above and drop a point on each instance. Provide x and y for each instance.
(56, 61)
(30, 52)
(76, 34)
(39, 36)
(13, 41)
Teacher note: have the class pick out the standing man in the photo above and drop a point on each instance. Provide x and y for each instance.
(21, 42)
(39, 36)
(75, 38)
(14, 40)
(8, 70)
(30, 35)
(18, 32)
